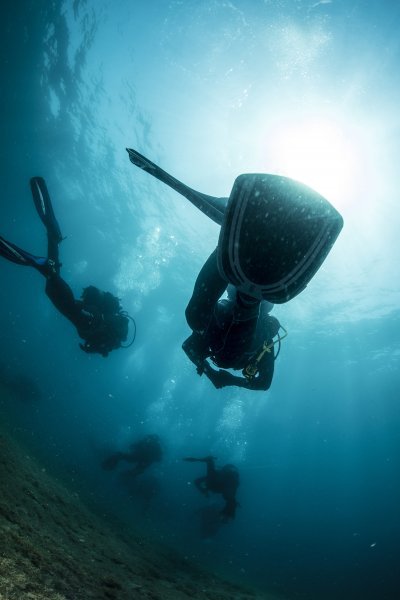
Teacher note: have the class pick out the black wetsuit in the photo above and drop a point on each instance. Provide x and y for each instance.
(101, 332)
(230, 331)
(224, 481)
(143, 453)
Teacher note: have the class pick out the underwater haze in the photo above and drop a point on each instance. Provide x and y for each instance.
(210, 89)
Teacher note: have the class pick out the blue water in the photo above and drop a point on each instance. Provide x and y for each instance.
(209, 90)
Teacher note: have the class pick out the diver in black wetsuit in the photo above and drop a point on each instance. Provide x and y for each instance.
(275, 234)
(144, 453)
(97, 316)
(224, 481)
(236, 333)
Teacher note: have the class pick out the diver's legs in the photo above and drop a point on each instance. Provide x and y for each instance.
(44, 207)
(60, 294)
(57, 290)
(208, 288)
(41, 199)
(13, 253)
(53, 254)
(53, 261)
(21, 257)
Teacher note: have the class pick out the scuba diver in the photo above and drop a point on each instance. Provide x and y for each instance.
(98, 317)
(144, 453)
(275, 234)
(236, 333)
(224, 481)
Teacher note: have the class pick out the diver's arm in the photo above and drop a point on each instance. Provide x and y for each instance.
(265, 374)
(218, 377)
(221, 378)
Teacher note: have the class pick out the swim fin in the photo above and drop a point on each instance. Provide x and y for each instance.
(41, 199)
(275, 232)
(15, 254)
(211, 206)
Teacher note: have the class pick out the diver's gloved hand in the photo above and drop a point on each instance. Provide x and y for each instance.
(196, 348)
(224, 378)
(220, 378)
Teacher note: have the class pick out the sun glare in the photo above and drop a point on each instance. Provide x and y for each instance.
(320, 154)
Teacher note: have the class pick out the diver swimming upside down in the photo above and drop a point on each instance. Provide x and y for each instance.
(275, 234)
(235, 333)
(98, 317)
(224, 480)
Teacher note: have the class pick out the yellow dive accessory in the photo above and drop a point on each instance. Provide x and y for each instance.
(251, 370)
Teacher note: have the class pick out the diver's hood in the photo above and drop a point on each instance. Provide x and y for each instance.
(275, 235)
(275, 232)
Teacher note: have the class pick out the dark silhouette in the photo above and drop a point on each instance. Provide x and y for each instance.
(97, 316)
(236, 333)
(224, 481)
(143, 453)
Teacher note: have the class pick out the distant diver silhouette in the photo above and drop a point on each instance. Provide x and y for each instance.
(97, 316)
(224, 480)
(239, 335)
(143, 453)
